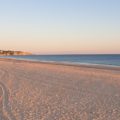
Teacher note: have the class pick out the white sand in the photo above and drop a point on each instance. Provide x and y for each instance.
(36, 91)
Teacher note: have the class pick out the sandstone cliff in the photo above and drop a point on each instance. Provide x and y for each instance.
(9, 52)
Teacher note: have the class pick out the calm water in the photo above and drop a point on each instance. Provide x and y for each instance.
(74, 59)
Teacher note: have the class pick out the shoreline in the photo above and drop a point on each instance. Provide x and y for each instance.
(38, 90)
(81, 65)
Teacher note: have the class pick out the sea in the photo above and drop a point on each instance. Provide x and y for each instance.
(95, 59)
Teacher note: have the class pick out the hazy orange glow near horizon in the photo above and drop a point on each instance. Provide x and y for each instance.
(60, 27)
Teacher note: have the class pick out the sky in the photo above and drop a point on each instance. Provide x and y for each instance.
(60, 26)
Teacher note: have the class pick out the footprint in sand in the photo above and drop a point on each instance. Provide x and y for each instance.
(5, 111)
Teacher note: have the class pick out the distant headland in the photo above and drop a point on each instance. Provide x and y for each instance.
(10, 52)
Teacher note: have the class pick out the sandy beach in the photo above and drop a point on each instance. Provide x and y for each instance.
(43, 91)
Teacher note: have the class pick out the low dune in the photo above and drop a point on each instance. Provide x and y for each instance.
(43, 91)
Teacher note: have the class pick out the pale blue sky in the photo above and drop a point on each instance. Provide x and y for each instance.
(60, 26)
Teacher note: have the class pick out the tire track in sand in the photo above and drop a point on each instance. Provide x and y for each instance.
(5, 100)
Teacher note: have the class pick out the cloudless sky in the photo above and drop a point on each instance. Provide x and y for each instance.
(60, 26)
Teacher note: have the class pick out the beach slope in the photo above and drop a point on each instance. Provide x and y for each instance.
(42, 91)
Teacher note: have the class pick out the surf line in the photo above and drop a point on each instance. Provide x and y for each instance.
(5, 101)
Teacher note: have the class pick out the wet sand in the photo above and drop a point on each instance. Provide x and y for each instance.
(43, 91)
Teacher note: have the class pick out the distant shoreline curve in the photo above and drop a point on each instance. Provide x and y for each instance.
(84, 65)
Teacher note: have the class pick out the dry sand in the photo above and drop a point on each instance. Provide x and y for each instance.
(38, 91)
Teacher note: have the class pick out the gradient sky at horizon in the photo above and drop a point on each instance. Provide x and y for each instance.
(60, 26)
